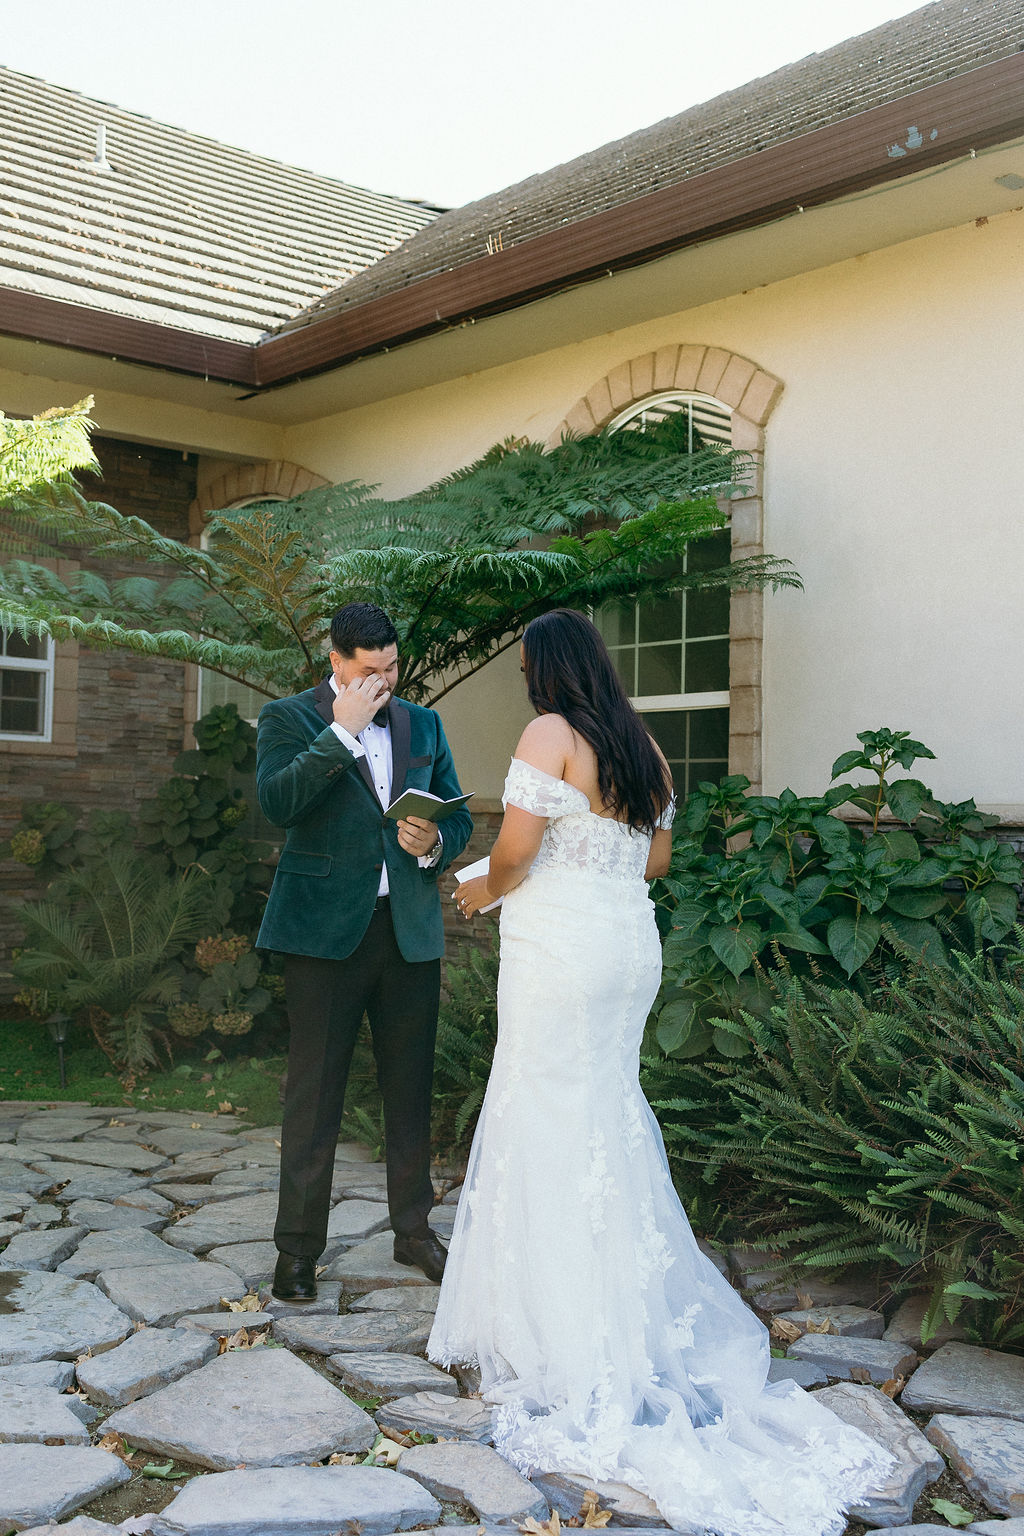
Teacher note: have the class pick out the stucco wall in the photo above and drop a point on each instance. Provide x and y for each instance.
(892, 481)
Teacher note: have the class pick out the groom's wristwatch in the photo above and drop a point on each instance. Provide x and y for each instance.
(435, 853)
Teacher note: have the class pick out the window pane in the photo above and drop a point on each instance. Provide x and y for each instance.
(661, 618)
(705, 554)
(707, 613)
(659, 669)
(707, 666)
(21, 685)
(21, 715)
(214, 689)
(624, 662)
(14, 644)
(695, 742)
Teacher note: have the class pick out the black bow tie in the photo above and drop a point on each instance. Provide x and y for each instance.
(381, 717)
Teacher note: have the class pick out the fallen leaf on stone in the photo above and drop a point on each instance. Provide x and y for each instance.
(152, 1470)
(210, 1093)
(954, 1513)
(195, 1126)
(250, 1302)
(550, 1527)
(54, 1440)
(825, 1326)
(223, 1109)
(86, 1356)
(860, 1373)
(780, 1329)
(342, 1459)
(894, 1386)
(117, 1122)
(804, 1301)
(398, 1436)
(593, 1515)
(277, 1144)
(115, 1446)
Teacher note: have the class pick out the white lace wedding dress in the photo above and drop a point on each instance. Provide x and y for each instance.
(610, 1346)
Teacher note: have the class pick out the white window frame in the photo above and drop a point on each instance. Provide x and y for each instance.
(43, 666)
(662, 702)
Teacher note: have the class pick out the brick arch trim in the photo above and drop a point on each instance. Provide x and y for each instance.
(736, 381)
(752, 394)
(276, 477)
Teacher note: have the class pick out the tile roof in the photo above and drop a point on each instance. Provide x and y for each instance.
(937, 43)
(178, 229)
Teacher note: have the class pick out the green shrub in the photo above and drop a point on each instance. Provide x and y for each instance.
(886, 1128)
(467, 1029)
(755, 878)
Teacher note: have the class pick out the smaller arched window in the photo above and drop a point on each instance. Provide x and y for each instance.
(672, 652)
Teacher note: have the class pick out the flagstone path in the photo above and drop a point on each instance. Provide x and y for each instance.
(149, 1380)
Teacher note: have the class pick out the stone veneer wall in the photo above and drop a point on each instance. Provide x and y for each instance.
(118, 718)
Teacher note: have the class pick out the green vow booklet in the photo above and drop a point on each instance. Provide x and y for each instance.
(420, 802)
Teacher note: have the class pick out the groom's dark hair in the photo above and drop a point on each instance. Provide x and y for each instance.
(361, 627)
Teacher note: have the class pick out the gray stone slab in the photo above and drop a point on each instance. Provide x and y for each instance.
(1012, 1527)
(58, 1374)
(145, 1362)
(199, 1194)
(405, 1332)
(145, 1200)
(755, 1272)
(262, 1407)
(398, 1298)
(453, 1196)
(838, 1357)
(905, 1327)
(963, 1378)
(172, 1141)
(378, 1373)
(917, 1463)
(850, 1322)
(928, 1529)
(13, 1205)
(435, 1413)
(223, 1322)
(120, 1250)
(298, 1501)
(81, 1183)
(243, 1219)
(33, 1414)
(253, 1261)
(442, 1221)
(53, 1128)
(804, 1372)
(355, 1220)
(43, 1482)
(158, 1294)
(473, 1474)
(247, 1178)
(10, 1228)
(191, 1170)
(78, 1525)
(370, 1266)
(66, 1316)
(41, 1250)
(628, 1506)
(124, 1156)
(328, 1300)
(41, 1213)
(18, 1179)
(987, 1454)
(103, 1216)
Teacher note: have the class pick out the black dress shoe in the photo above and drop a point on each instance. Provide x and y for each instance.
(425, 1252)
(294, 1279)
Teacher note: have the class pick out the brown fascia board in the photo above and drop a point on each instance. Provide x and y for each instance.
(971, 111)
(983, 107)
(125, 339)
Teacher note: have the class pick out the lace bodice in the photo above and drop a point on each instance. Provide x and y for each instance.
(577, 838)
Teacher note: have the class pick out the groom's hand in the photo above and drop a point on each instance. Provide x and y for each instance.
(417, 836)
(356, 703)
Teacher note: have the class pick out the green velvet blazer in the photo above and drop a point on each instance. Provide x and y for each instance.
(337, 837)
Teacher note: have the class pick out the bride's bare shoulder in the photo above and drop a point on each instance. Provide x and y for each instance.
(546, 743)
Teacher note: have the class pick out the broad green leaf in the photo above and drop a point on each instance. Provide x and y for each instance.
(833, 834)
(930, 871)
(736, 945)
(911, 903)
(799, 938)
(924, 938)
(906, 798)
(728, 1044)
(852, 940)
(674, 1023)
(849, 760)
(994, 906)
(900, 845)
(955, 1514)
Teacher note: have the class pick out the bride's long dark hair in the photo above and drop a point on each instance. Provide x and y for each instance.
(570, 673)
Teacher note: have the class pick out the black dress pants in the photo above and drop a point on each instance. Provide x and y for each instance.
(326, 1001)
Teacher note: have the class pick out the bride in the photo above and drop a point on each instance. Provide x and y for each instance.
(610, 1347)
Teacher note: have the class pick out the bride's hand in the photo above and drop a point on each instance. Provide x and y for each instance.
(472, 895)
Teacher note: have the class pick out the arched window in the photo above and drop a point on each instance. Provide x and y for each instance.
(672, 652)
(213, 687)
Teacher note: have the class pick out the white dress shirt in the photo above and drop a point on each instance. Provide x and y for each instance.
(374, 743)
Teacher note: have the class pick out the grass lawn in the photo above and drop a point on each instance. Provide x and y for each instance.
(29, 1069)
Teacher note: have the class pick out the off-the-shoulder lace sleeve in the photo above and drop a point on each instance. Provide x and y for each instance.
(667, 816)
(540, 793)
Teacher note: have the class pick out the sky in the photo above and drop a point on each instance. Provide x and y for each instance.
(445, 100)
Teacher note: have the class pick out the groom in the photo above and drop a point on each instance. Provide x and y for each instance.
(355, 910)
